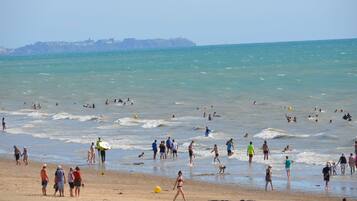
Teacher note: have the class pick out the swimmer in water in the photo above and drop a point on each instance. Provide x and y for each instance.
(216, 154)
(246, 135)
(265, 150)
(287, 148)
(207, 132)
(3, 124)
(190, 152)
(141, 155)
(209, 117)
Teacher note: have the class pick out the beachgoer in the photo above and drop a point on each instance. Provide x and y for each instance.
(162, 148)
(174, 149)
(44, 179)
(98, 147)
(70, 179)
(246, 135)
(287, 148)
(266, 150)
(168, 145)
(25, 156)
(221, 168)
(179, 183)
(326, 173)
(190, 152)
(141, 155)
(207, 131)
(356, 146)
(352, 163)
(107, 101)
(216, 154)
(3, 123)
(77, 181)
(343, 162)
(333, 169)
(92, 153)
(209, 117)
(17, 154)
(250, 152)
(230, 147)
(268, 178)
(287, 166)
(154, 149)
(60, 180)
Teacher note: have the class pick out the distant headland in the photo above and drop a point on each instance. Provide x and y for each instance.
(103, 45)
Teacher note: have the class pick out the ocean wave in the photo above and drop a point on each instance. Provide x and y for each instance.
(273, 133)
(64, 115)
(312, 158)
(145, 123)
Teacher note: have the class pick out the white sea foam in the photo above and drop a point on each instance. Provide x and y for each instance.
(64, 115)
(281, 75)
(145, 123)
(312, 158)
(272, 133)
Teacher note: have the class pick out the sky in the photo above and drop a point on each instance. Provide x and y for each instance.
(206, 22)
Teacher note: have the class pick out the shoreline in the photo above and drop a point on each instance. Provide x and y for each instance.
(25, 185)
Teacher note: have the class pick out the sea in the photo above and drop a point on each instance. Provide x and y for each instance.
(251, 87)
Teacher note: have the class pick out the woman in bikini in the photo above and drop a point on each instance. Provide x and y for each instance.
(179, 183)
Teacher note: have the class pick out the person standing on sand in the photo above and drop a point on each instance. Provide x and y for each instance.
(352, 163)
(266, 150)
(268, 178)
(250, 152)
(44, 179)
(216, 154)
(190, 152)
(179, 182)
(343, 163)
(17, 154)
(287, 167)
(77, 181)
(70, 179)
(154, 149)
(60, 179)
(25, 156)
(326, 173)
(4, 124)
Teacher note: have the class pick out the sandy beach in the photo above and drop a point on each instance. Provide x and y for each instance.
(23, 183)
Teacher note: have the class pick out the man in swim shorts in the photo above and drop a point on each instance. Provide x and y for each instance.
(44, 179)
(154, 148)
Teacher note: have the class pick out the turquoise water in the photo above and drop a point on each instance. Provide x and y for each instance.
(303, 75)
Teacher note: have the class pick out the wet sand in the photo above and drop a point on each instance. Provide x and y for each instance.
(23, 183)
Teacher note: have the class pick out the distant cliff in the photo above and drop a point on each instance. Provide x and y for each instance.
(96, 46)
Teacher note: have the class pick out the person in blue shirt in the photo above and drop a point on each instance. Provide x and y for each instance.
(288, 163)
(154, 148)
(169, 145)
(230, 147)
(207, 132)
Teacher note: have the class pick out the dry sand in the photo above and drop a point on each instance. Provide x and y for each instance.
(22, 183)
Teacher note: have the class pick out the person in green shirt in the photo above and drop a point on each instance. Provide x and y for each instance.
(287, 166)
(250, 151)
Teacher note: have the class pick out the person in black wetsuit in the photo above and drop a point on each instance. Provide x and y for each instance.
(326, 173)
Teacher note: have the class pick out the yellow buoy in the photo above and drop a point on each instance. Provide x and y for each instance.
(157, 189)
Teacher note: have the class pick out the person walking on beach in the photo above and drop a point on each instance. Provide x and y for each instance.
(154, 149)
(60, 179)
(288, 163)
(266, 150)
(3, 124)
(352, 163)
(44, 179)
(179, 185)
(162, 148)
(216, 154)
(250, 152)
(77, 181)
(326, 174)
(98, 148)
(25, 156)
(70, 179)
(343, 163)
(17, 154)
(230, 147)
(174, 149)
(190, 152)
(268, 178)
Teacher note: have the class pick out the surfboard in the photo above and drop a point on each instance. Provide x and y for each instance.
(104, 145)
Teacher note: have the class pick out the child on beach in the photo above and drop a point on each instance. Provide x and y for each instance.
(25, 156)
(268, 178)
(17, 154)
(44, 179)
(179, 182)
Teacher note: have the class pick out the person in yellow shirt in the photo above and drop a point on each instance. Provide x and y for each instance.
(250, 152)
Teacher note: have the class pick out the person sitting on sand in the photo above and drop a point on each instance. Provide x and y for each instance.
(266, 150)
(179, 183)
(216, 154)
(250, 152)
(44, 179)
(268, 178)
(25, 156)
(326, 174)
(17, 154)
